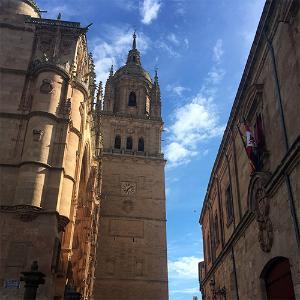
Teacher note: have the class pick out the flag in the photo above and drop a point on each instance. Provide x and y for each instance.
(250, 147)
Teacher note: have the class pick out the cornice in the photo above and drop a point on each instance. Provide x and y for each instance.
(123, 156)
(110, 115)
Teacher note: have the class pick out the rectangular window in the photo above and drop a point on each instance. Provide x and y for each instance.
(208, 249)
(229, 205)
(216, 227)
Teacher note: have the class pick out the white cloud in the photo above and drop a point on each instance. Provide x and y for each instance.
(185, 267)
(180, 7)
(173, 39)
(149, 10)
(186, 42)
(128, 5)
(164, 46)
(112, 49)
(194, 290)
(176, 89)
(196, 120)
(218, 51)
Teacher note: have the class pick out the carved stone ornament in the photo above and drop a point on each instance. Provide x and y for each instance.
(46, 86)
(25, 213)
(37, 134)
(260, 204)
(65, 108)
(46, 44)
(65, 46)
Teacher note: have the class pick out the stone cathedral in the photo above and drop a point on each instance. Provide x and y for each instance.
(132, 261)
(82, 196)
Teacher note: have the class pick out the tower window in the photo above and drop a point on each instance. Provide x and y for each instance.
(132, 99)
(134, 59)
(117, 142)
(141, 144)
(129, 143)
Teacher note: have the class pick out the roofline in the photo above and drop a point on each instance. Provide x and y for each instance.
(266, 13)
(33, 4)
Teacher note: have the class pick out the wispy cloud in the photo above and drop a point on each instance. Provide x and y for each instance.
(173, 39)
(180, 7)
(185, 267)
(193, 290)
(113, 48)
(149, 10)
(167, 48)
(176, 89)
(218, 51)
(198, 119)
(128, 5)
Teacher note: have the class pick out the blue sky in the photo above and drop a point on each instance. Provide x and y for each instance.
(200, 48)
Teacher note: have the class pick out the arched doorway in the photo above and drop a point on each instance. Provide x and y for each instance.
(278, 279)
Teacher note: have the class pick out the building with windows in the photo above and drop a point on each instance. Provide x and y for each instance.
(52, 166)
(251, 212)
(132, 262)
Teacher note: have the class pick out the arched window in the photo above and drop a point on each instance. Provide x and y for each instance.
(117, 142)
(278, 279)
(129, 143)
(132, 99)
(141, 144)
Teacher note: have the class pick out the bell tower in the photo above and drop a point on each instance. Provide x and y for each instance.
(132, 256)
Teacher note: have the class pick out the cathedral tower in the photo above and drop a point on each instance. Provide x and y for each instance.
(132, 256)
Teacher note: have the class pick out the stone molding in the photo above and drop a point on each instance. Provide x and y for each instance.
(25, 213)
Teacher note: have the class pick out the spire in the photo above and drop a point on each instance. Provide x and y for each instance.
(134, 41)
(134, 54)
(156, 77)
(111, 72)
(99, 97)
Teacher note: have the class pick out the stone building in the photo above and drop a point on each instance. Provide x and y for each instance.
(58, 145)
(250, 217)
(50, 170)
(132, 261)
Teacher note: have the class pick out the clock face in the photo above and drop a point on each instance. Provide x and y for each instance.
(128, 188)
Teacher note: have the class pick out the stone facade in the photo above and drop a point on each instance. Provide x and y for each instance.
(132, 262)
(57, 147)
(250, 220)
(50, 168)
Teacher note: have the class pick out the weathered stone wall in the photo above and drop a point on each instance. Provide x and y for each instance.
(132, 260)
(46, 145)
(237, 263)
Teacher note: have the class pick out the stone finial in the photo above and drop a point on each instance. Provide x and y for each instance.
(111, 72)
(134, 41)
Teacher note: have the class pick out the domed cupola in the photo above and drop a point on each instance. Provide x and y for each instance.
(133, 66)
(19, 7)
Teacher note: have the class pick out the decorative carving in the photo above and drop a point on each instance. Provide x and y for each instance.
(46, 44)
(260, 205)
(265, 227)
(65, 108)
(37, 134)
(46, 86)
(65, 46)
